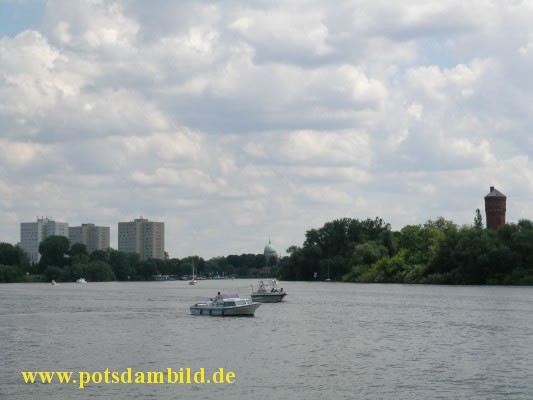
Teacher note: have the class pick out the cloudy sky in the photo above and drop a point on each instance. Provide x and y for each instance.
(235, 121)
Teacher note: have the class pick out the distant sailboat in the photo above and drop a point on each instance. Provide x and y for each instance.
(327, 279)
(193, 282)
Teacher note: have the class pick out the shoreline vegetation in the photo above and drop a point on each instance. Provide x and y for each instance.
(347, 250)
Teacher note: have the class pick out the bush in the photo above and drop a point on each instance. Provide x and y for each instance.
(99, 271)
(415, 273)
(9, 274)
(53, 273)
(356, 272)
(72, 273)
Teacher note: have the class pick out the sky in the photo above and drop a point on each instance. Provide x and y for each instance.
(237, 122)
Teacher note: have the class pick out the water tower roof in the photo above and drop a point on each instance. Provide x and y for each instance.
(495, 193)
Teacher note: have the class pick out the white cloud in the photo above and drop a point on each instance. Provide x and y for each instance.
(284, 28)
(415, 111)
(323, 194)
(195, 179)
(448, 84)
(164, 147)
(20, 154)
(326, 148)
(269, 117)
(526, 49)
(31, 83)
(93, 26)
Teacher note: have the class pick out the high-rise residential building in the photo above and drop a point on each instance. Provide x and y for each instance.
(33, 233)
(143, 237)
(94, 237)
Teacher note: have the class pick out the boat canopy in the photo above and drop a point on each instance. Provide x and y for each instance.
(268, 283)
(229, 296)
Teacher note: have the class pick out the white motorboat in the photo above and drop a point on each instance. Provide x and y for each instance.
(81, 280)
(53, 282)
(268, 292)
(227, 305)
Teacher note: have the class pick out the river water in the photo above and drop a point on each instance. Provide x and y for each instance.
(324, 341)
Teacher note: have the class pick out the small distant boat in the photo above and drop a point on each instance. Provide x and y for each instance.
(268, 292)
(53, 282)
(160, 277)
(193, 282)
(328, 279)
(81, 280)
(227, 305)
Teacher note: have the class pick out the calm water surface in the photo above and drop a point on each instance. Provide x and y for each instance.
(325, 341)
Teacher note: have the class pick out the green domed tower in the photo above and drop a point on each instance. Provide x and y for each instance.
(270, 252)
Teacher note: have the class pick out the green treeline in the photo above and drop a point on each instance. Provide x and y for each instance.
(438, 251)
(63, 263)
(350, 250)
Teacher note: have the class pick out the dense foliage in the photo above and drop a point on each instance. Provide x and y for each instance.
(64, 263)
(346, 249)
(435, 252)
(13, 262)
(331, 248)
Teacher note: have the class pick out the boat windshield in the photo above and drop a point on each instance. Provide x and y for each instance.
(229, 304)
(268, 286)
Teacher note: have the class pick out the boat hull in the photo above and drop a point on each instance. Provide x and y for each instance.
(247, 310)
(268, 297)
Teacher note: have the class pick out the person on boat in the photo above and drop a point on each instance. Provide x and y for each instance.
(218, 297)
(210, 303)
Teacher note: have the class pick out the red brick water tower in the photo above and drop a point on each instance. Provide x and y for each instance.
(495, 204)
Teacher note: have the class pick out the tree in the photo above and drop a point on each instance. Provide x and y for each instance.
(468, 256)
(100, 255)
(387, 269)
(122, 263)
(12, 255)
(78, 249)
(478, 221)
(52, 273)
(442, 224)
(73, 272)
(78, 253)
(368, 253)
(147, 269)
(53, 250)
(99, 271)
(10, 273)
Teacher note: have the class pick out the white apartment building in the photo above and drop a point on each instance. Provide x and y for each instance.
(94, 237)
(33, 233)
(143, 237)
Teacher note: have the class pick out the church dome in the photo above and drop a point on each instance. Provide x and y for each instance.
(269, 248)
